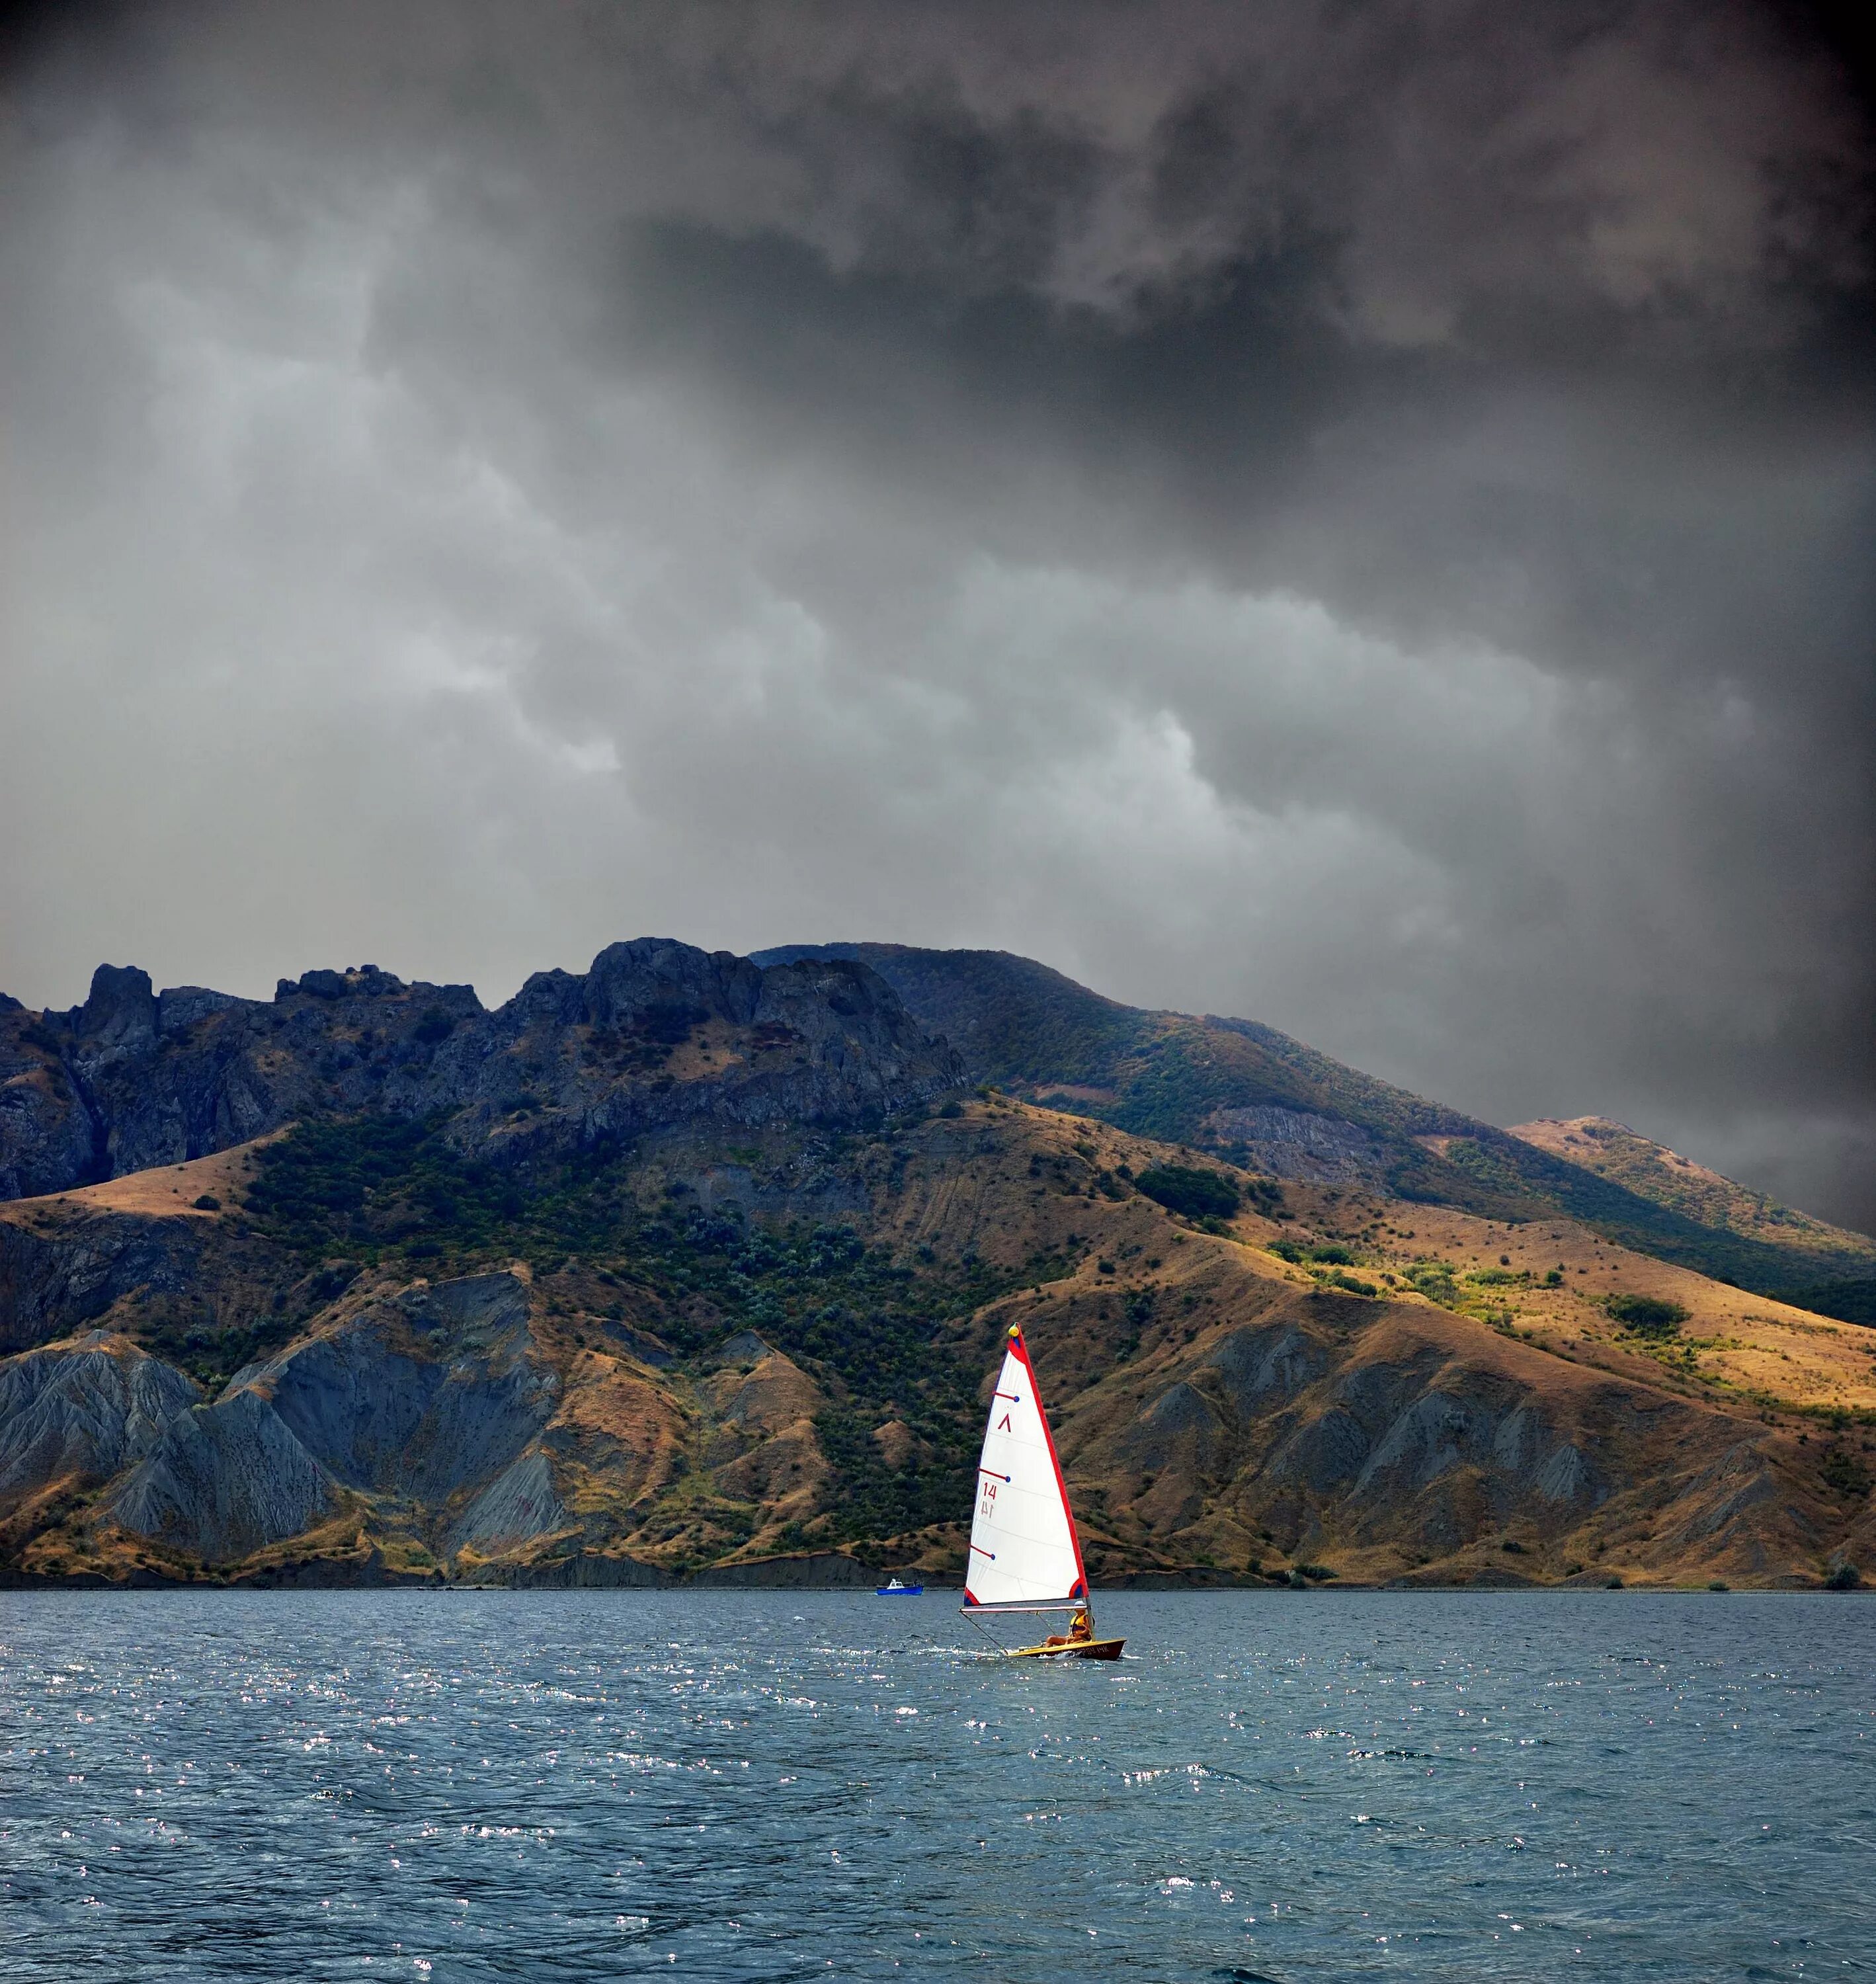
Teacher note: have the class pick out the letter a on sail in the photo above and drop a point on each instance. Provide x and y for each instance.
(1023, 1547)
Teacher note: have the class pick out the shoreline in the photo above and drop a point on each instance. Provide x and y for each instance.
(708, 1581)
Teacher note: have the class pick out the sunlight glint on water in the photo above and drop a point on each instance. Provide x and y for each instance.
(769, 1785)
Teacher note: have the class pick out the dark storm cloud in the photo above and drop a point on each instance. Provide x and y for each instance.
(1358, 516)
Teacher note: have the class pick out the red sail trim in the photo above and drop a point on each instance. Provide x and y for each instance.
(1020, 1349)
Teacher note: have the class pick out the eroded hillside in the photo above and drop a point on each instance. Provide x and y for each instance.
(759, 1350)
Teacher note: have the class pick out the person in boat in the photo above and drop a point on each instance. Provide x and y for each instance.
(1080, 1628)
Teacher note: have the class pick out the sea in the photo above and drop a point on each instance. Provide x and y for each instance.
(450, 1785)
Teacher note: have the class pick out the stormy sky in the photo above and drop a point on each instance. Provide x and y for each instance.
(1356, 516)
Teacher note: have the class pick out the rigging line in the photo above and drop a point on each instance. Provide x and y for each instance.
(995, 1642)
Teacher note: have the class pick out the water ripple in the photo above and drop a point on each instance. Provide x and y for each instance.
(471, 1786)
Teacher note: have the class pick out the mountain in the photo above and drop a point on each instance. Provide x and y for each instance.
(694, 1266)
(1247, 1094)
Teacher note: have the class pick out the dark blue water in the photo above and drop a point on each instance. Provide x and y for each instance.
(451, 1786)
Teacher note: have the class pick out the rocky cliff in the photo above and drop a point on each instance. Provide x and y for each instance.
(653, 1034)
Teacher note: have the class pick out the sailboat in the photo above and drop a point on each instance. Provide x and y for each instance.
(1025, 1555)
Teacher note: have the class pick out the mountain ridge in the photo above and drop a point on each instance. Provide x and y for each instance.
(1243, 1091)
(694, 1267)
(1613, 1150)
(133, 1078)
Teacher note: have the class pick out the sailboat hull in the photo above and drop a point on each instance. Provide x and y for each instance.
(1078, 1649)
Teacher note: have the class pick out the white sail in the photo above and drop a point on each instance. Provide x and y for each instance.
(1024, 1548)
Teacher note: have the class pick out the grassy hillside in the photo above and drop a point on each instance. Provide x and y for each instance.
(1835, 1269)
(1249, 1095)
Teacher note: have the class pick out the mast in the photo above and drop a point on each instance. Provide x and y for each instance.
(1025, 1551)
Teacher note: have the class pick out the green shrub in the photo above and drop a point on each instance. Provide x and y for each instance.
(1185, 1188)
(1434, 1280)
(1648, 1315)
(1332, 1256)
(208, 1202)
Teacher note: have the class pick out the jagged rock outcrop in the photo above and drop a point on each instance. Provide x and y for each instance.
(655, 1034)
(658, 1036)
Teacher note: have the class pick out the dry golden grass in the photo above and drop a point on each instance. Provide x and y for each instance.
(1613, 1150)
(776, 1394)
(165, 1191)
(1733, 1342)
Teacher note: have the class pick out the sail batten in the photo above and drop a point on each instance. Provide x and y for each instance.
(1024, 1550)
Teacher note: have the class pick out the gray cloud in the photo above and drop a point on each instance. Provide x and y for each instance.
(1359, 516)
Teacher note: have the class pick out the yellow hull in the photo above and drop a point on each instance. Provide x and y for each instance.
(1074, 1649)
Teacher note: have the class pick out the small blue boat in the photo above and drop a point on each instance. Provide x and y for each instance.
(893, 1589)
